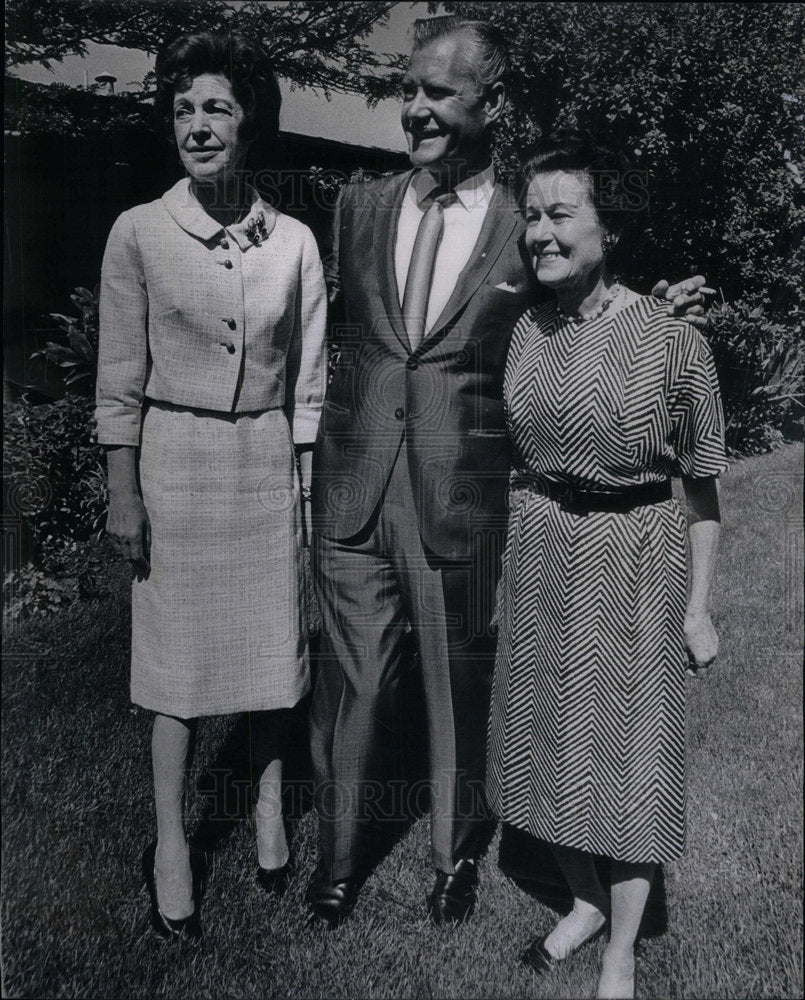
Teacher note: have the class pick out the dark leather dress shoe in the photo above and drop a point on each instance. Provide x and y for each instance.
(275, 881)
(330, 903)
(453, 898)
(166, 927)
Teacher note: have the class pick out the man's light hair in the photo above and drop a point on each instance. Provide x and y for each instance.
(487, 60)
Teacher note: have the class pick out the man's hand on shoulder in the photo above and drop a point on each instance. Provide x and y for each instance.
(688, 298)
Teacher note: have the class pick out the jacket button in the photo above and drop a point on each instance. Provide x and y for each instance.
(399, 413)
(228, 265)
(228, 345)
(231, 323)
(412, 364)
(224, 244)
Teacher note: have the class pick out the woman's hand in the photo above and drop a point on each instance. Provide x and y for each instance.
(127, 523)
(701, 643)
(687, 299)
(129, 529)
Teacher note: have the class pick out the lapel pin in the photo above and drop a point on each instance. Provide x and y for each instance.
(256, 231)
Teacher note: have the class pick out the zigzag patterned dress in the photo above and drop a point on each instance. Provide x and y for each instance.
(587, 726)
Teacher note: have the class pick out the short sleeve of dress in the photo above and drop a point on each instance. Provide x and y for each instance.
(694, 405)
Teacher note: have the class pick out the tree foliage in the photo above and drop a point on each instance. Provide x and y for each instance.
(313, 44)
(709, 99)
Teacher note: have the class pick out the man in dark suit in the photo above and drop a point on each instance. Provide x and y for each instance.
(411, 465)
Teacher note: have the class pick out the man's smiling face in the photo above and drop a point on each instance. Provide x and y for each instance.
(445, 115)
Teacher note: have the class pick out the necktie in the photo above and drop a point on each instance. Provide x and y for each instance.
(420, 270)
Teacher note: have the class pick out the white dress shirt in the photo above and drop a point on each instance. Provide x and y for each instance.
(462, 226)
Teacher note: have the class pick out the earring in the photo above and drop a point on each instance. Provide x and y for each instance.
(608, 243)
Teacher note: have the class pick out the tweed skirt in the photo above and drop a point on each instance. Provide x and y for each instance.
(218, 625)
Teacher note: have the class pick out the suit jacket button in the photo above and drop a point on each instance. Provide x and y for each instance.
(228, 264)
(230, 347)
(224, 244)
(232, 324)
(399, 413)
(412, 364)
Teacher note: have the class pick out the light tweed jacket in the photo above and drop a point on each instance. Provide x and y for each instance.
(199, 315)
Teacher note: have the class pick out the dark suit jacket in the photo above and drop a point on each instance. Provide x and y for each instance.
(446, 396)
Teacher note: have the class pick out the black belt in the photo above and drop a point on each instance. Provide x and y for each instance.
(579, 501)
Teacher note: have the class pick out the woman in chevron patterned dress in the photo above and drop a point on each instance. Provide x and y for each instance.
(607, 397)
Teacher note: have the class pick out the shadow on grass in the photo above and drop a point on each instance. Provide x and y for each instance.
(530, 864)
(229, 787)
(229, 784)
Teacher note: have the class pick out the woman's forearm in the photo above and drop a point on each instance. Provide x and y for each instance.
(704, 537)
(121, 464)
(704, 529)
(304, 453)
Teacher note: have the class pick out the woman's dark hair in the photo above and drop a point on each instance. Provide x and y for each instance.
(240, 60)
(618, 189)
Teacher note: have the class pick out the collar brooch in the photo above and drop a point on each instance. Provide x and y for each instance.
(256, 231)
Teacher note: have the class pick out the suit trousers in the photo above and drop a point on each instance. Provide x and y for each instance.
(376, 592)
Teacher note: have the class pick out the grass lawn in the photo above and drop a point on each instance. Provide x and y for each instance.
(77, 814)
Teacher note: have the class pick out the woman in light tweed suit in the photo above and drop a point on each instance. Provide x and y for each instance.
(211, 368)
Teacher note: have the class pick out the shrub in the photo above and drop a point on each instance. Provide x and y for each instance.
(759, 363)
(77, 353)
(54, 478)
(29, 592)
(53, 475)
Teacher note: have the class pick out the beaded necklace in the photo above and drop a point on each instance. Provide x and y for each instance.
(600, 309)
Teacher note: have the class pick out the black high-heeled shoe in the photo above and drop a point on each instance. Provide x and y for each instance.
(275, 881)
(167, 927)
